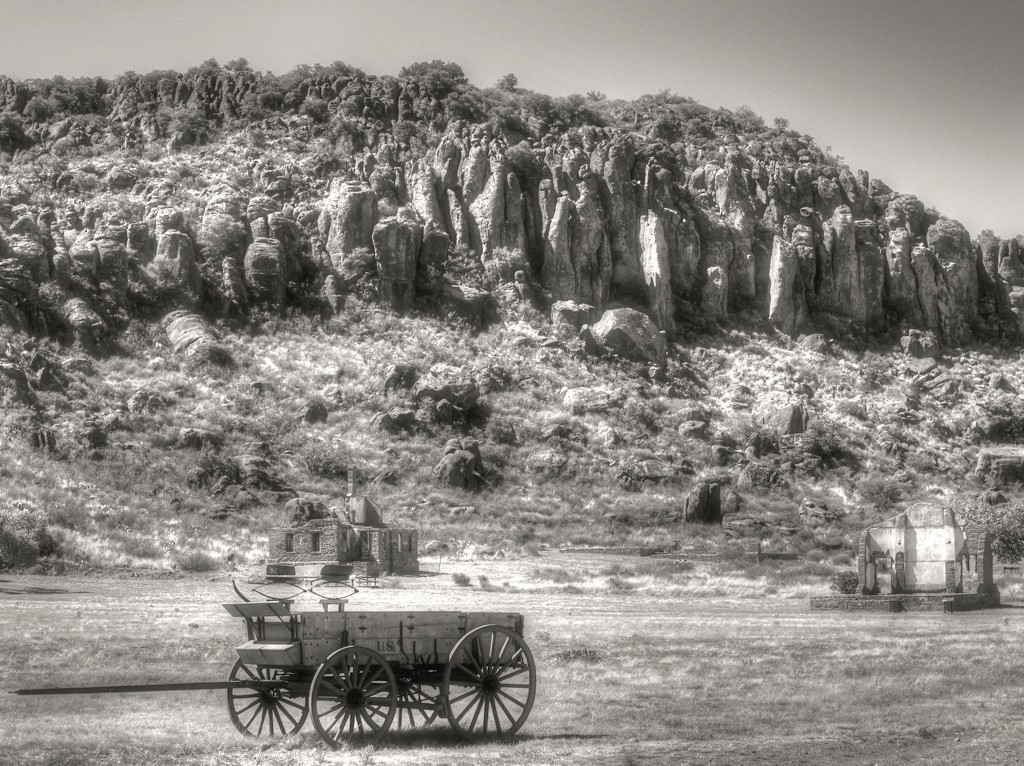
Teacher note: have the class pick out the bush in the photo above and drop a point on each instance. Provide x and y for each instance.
(880, 492)
(460, 579)
(1004, 522)
(843, 582)
(578, 654)
(197, 561)
(327, 461)
(24, 536)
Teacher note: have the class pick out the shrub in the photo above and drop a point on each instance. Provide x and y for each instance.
(880, 492)
(24, 536)
(327, 461)
(578, 654)
(460, 579)
(825, 440)
(843, 582)
(1005, 523)
(197, 561)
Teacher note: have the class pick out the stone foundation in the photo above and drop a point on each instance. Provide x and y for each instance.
(909, 602)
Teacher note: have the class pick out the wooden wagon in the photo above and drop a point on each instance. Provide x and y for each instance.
(358, 674)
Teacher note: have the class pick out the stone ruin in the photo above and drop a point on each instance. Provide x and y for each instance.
(359, 546)
(924, 558)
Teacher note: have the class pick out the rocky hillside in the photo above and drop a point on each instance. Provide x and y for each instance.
(560, 289)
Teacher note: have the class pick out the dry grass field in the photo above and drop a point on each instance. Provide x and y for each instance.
(627, 676)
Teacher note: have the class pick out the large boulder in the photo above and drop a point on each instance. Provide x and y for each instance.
(86, 324)
(704, 503)
(572, 314)
(348, 218)
(396, 246)
(1003, 466)
(585, 399)
(443, 382)
(461, 466)
(26, 246)
(256, 472)
(189, 333)
(175, 262)
(787, 419)
(550, 462)
(16, 284)
(265, 272)
(632, 335)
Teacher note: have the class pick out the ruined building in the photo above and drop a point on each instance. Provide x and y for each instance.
(358, 546)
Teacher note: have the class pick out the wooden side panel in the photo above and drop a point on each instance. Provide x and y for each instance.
(509, 620)
(276, 631)
(408, 638)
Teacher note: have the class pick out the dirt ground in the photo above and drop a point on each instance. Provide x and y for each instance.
(710, 681)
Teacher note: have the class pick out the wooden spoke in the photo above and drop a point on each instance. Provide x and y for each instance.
(353, 697)
(257, 710)
(417, 707)
(476, 688)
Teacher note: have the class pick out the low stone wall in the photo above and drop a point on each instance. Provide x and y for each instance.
(616, 551)
(908, 602)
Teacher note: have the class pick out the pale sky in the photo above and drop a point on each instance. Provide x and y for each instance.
(928, 95)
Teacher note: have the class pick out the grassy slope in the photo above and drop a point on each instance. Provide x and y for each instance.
(130, 502)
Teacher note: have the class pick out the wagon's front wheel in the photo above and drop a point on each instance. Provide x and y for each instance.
(489, 683)
(263, 710)
(353, 697)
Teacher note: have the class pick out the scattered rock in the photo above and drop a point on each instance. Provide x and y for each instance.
(694, 429)
(572, 314)
(1002, 465)
(547, 461)
(257, 473)
(303, 509)
(460, 467)
(189, 333)
(632, 335)
(998, 382)
(761, 475)
(814, 513)
(789, 419)
(146, 401)
(920, 345)
(316, 412)
(703, 504)
(583, 400)
(816, 344)
(400, 376)
(458, 388)
(634, 472)
(199, 439)
(395, 421)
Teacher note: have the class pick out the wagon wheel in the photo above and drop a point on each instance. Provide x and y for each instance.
(353, 697)
(256, 711)
(489, 683)
(412, 693)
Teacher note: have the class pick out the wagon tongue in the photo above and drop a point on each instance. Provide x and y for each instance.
(133, 688)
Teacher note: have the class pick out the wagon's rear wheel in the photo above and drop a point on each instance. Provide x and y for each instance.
(353, 697)
(257, 711)
(489, 683)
